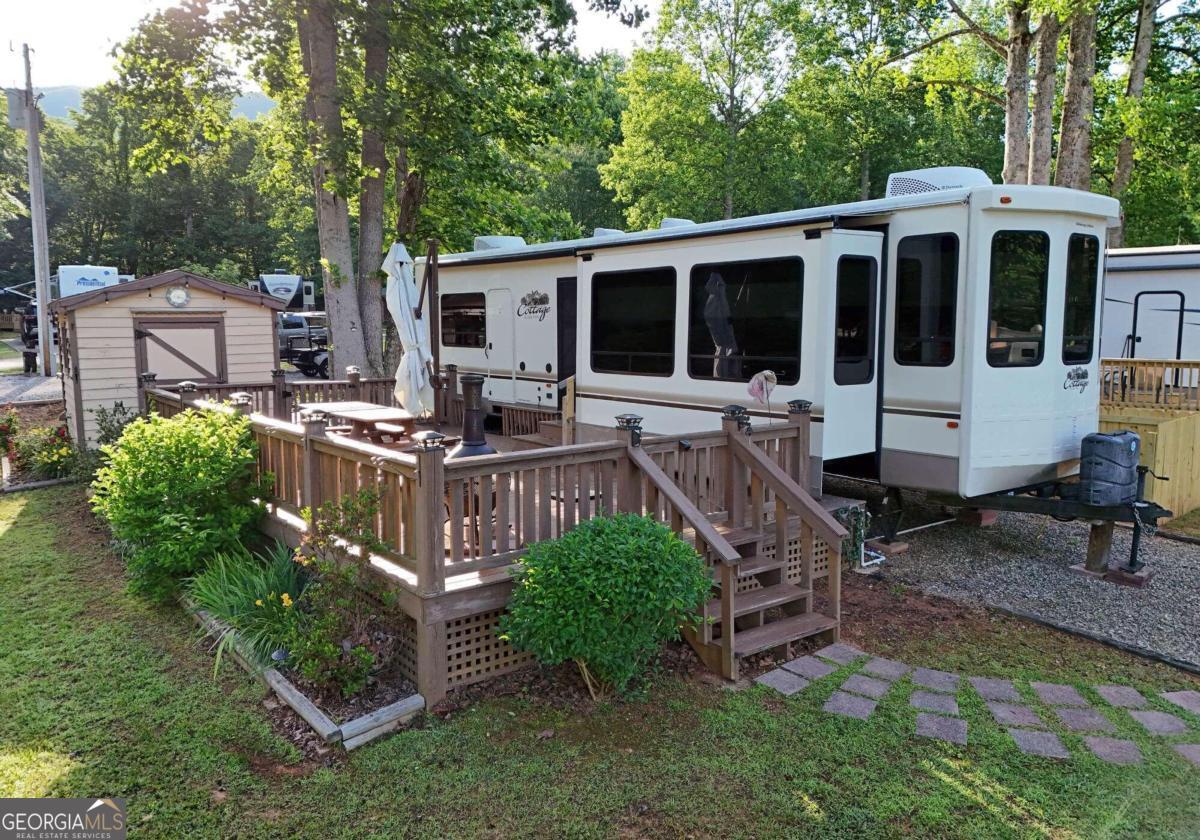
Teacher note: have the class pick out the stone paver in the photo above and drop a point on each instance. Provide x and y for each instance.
(933, 702)
(849, 705)
(1159, 723)
(943, 728)
(1084, 720)
(866, 686)
(841, 653)
(936, 680)
(993, 689)
(1122, 696)
(1034, 742)
(1012, 714)
(809, 667)
(886, 669)
(1189, 700)
(785, 682)
(1189, 751)
(1054, 694)
(1113, 750)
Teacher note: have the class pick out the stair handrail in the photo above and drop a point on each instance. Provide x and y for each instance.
(793, 495)
(684, 506)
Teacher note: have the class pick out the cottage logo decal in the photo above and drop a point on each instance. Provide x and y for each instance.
(62, 819)
(1077, 380)
(535, 305)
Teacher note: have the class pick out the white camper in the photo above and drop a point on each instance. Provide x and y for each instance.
(1152, 303)
(945, 334)
(76, 279)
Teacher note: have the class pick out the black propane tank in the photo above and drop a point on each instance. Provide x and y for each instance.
(1108, 468)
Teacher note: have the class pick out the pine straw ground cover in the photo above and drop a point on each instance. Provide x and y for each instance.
(104, 695)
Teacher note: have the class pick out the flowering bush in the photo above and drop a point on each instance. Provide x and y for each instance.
(9, 428)
(45, 452)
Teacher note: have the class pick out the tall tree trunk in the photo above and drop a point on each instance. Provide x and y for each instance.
(1045, 78)
(371, 195)
(1142, 45)
(318, 48)
(864, 174)
(410, 192)
(1016, 94)
(1074, 166)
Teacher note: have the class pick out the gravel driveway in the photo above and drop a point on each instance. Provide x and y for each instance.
(1022, 563)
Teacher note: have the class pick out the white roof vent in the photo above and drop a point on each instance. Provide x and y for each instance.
(674, 223)
(935, 179)
(607, 232)
(491, 243)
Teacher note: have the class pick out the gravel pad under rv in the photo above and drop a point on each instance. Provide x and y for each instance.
(1023, 563)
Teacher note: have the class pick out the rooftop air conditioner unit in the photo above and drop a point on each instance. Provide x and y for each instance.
(492, 243)
(607, 232)
(935, 179)
(675, 223)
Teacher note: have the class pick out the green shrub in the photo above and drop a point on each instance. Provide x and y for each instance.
(176, 491)
(45, 452)
(316, 651)
(111, 422)
(606, 595)
(256, 595)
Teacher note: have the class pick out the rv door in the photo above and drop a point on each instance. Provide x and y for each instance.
(850, 411)
(501, 385)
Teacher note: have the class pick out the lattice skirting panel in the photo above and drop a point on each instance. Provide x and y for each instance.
(474, 652)
(795, 563)
(406, 644)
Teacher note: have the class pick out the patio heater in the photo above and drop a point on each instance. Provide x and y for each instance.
(473, 440)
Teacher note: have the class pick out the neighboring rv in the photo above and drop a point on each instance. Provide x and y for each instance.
(292, 289)
(77, 279)
(945, 334)
(1152, 303)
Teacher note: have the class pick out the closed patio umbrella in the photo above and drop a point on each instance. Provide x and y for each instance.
(414, 391)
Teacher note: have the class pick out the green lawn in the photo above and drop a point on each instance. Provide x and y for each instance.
(103, 695)
(1189, 524)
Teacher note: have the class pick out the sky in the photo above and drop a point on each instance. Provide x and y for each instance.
(71, 39)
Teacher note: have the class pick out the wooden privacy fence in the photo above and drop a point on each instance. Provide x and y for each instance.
(1160, 383)
(443, 527)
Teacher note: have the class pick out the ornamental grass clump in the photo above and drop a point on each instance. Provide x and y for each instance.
(606, 596)
(177, 491)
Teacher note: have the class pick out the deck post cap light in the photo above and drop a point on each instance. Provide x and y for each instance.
(352, 370)
(429, 440)
(732, 412)
(147, 378)
(799, 406)
(277, 373)
(187, 386)
(313, 415)
(631, 423)
(241, 398)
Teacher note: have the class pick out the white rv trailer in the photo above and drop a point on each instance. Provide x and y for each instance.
(945, 334)
(1152, 303)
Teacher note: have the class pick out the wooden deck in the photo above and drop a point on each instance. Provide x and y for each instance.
(454, 528)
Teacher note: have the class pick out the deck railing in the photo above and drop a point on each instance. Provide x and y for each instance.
(1158, 383)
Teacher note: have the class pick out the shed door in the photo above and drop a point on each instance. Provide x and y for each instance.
(181, 349)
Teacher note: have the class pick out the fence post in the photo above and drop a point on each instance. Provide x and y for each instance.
(242, 403)
(354, 382)
(310, 487)
(282, 409)
(430, 543)
(800, 416)
(732, 420)
(451, 393)
(629, 489)
(145, 383)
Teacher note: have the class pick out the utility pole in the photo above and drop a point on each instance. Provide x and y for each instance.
(37, 214)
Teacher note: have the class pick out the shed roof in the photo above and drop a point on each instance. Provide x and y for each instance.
(173, 277)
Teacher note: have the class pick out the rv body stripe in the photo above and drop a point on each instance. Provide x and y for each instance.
(913, 412)
(490, 375)
(816, 418)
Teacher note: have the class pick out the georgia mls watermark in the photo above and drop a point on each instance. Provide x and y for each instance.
(62, 819)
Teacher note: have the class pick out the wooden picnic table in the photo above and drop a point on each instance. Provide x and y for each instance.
(365, 422)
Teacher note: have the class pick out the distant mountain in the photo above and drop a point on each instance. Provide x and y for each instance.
(59, 101)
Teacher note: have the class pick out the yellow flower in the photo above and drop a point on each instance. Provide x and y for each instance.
(258, 603)
(286, 599)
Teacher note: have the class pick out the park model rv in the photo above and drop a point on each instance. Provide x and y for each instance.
(1152, 303)
(945, 334)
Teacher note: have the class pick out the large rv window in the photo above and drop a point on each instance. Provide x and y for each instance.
(1079, 313)
(1017, 306)
(745, 317)
(854, 337)
(926, 299)
(464, 322)
(633, 322)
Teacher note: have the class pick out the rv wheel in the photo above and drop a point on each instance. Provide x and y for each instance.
(323, 369)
